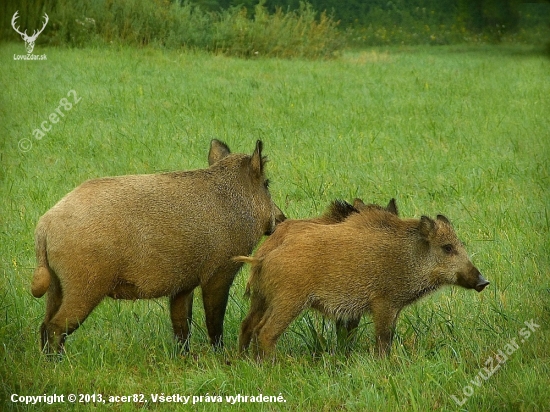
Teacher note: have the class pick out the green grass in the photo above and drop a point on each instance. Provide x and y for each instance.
(462, 131)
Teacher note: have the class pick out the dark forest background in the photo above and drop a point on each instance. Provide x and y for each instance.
(284, 28)
(474, 14)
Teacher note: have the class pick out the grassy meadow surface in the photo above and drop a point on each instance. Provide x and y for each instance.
(463, 131)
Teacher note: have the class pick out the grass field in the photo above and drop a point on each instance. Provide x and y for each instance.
(463, 131)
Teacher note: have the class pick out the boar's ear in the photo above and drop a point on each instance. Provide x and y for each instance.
(218, 150)
(392, 207)
(443, 219)
(257, 161)
(426, 227)
(359, 204)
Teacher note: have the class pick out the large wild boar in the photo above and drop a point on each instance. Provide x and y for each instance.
(371, 262)
(148, 236)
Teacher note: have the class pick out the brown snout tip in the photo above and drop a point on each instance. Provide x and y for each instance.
(280, 218)
(481, 283)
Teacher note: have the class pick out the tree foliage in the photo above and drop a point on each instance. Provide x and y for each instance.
(281, 27)
(475, 15)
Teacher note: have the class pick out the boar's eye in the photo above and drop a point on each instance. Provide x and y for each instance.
(266, 183)
(448, 249)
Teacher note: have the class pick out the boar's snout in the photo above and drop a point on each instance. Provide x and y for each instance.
(481, 282)
(277, 217)
(472, 279)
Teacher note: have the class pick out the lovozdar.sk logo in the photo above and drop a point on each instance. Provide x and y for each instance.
(29, 40)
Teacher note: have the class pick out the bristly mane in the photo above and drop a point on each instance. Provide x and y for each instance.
(339, 210)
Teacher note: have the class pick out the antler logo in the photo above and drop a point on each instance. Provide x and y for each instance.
(29, 40)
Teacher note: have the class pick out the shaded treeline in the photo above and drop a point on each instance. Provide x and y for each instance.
(474, 14)
(299, 33)
(282, 28)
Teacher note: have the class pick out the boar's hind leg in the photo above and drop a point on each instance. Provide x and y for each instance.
(255, 315)
(76, 305)
(181, 313)
(385, 317)
(274, 322)
(53, 302)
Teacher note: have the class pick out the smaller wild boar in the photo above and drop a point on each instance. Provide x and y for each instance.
(337, 212)
(148, 236)
(371, 262)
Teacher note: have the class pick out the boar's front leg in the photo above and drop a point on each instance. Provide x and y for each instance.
(215, 294)
(385, 318)
(181, 313)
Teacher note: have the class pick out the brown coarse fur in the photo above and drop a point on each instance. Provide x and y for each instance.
(372, 262)
(148, 236)
(337, 212)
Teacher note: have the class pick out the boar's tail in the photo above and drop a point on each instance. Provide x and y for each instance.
(42, 274)
(246, 259)
(254, 271)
